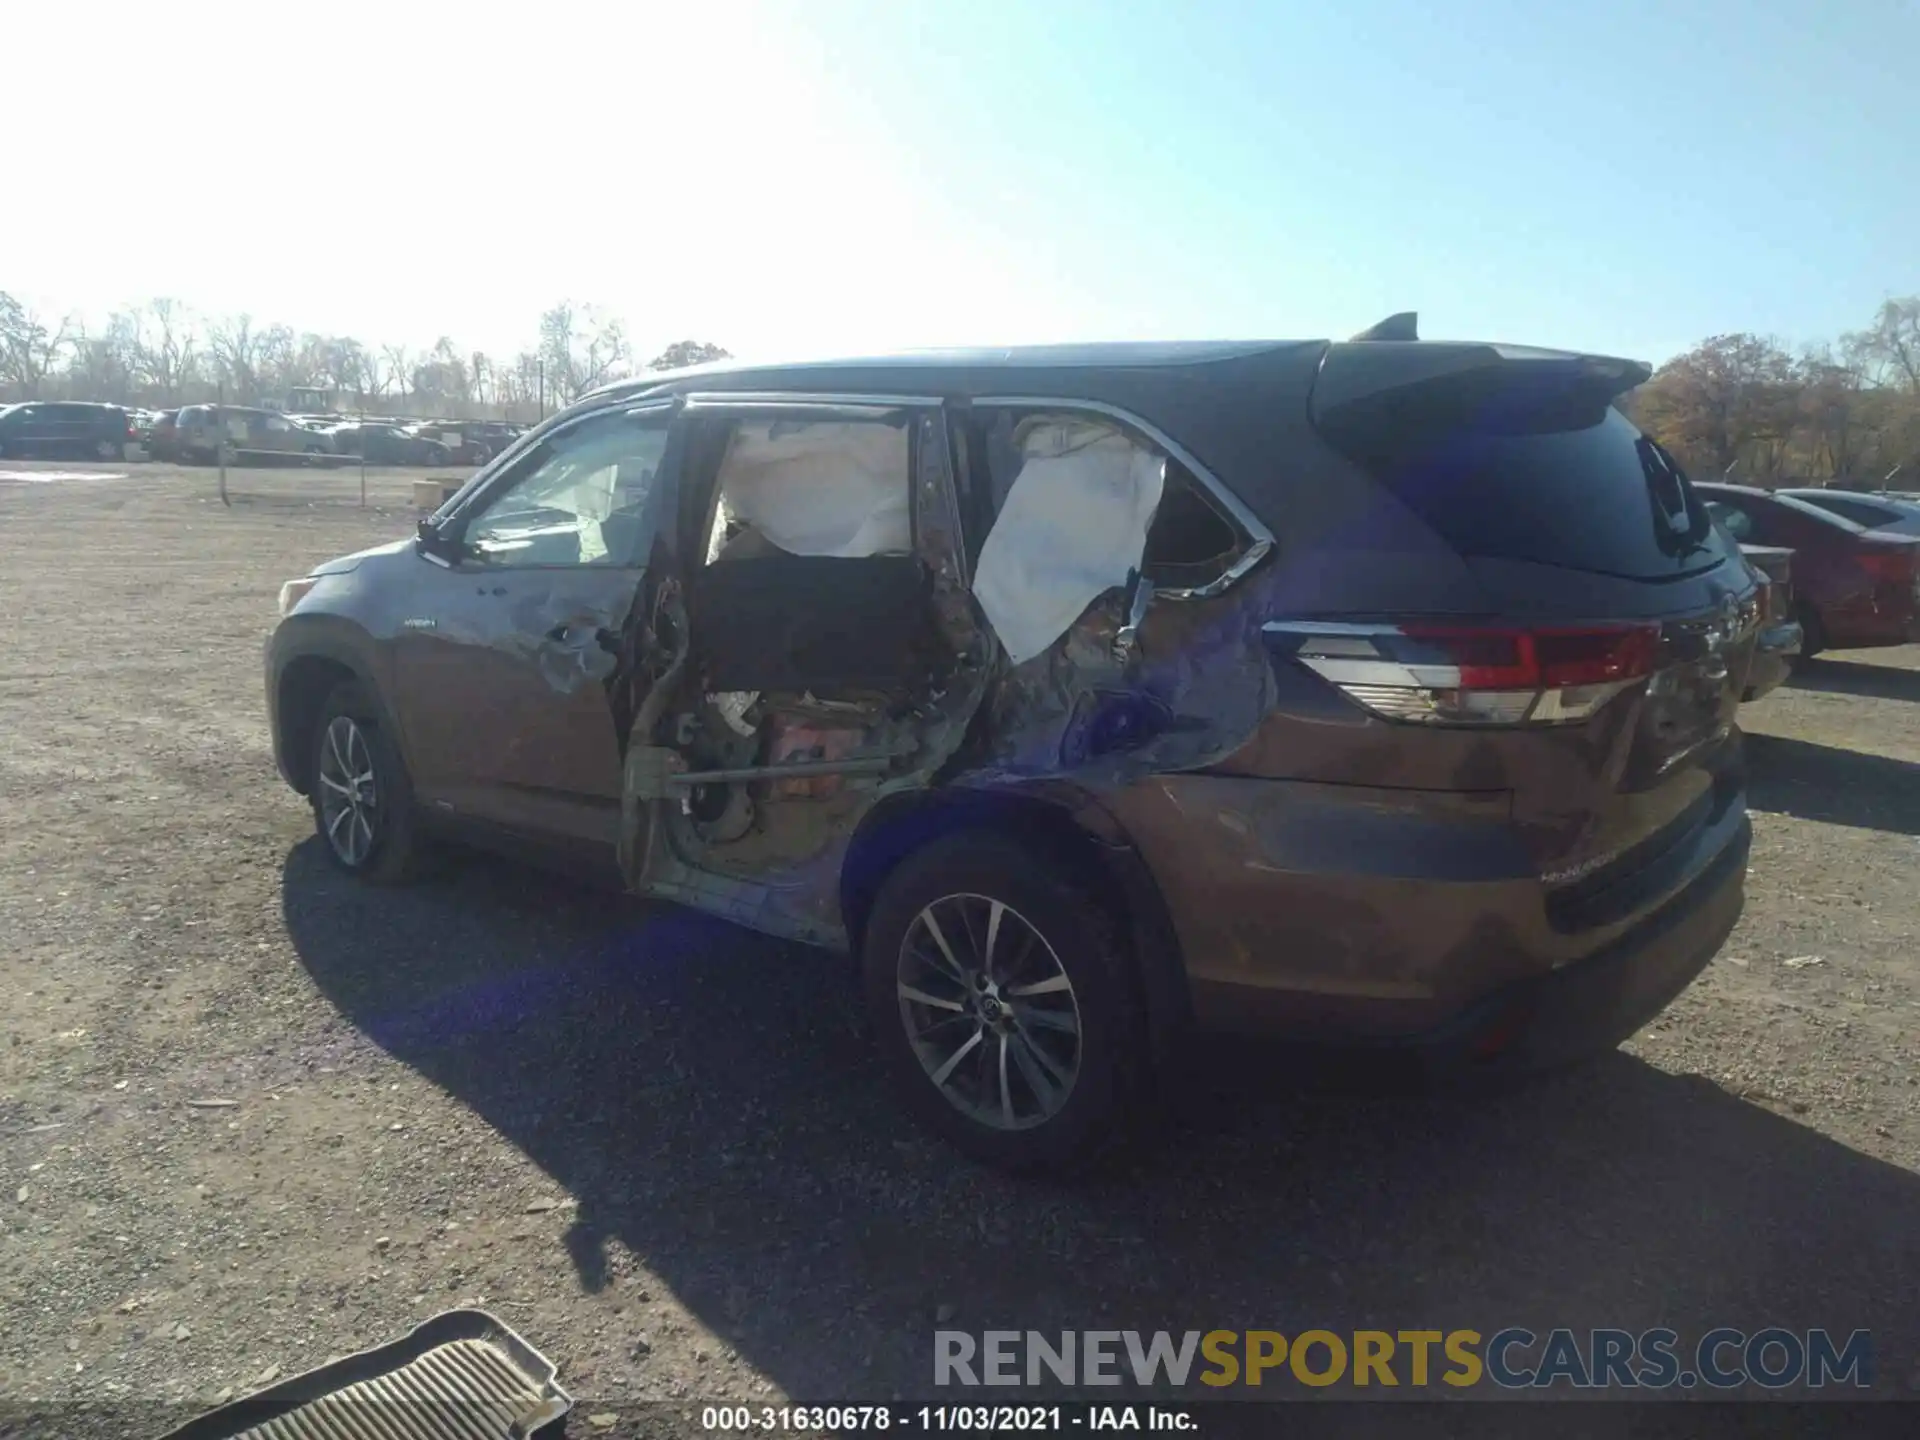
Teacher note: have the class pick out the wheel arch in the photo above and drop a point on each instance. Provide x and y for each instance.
(1064, 821)
(311, 661)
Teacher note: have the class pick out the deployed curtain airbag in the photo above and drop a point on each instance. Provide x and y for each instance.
(1073, 526)
(820, 487)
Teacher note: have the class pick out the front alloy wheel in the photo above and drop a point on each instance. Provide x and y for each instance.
(989, 1012)
(349, 799)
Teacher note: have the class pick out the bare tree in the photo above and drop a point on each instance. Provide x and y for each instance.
(240, 352)
(344, 360)
(105, 366)
(441, 377)
(1888, 351)
(480, 369)
(167, 352)
(399, 366)
(29, 347)
(582, 347)
(373, 372)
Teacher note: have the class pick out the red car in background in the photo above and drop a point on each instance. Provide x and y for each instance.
(1853, 588)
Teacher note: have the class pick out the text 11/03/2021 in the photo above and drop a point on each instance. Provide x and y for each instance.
(945, 1419)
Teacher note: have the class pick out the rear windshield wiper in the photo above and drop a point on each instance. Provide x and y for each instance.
(1667, 483)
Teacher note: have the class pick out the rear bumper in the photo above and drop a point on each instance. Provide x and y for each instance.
(1773, 657)
(1592, 1005)
(1578, 1009)
(1330, 913)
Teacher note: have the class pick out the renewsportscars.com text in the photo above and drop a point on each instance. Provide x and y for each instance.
(1512, 1358)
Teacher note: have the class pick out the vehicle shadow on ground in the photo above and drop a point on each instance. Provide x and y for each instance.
(1840, 787)
(1855, 677)
(708, 1098)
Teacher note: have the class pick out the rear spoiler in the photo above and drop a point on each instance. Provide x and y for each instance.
(1364, 384)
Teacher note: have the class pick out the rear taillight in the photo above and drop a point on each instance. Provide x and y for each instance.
(1894, 564)
(1460, 675)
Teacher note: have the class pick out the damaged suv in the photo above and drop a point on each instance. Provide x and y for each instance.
(1378, 690)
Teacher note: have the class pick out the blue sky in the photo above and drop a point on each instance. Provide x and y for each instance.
(797, 176)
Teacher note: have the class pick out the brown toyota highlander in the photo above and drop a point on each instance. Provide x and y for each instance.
(1379, 691)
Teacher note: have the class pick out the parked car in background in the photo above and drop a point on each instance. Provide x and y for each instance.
(467, 442)
(1780, 636)
(64, 430)
(382, 444)
(1894, 514)
(1853, 587)
(162, 439)
(252, 434)
(1455, 767)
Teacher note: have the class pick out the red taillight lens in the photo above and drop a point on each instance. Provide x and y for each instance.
(1539, 659)
(1893, 563)
(1473, 676)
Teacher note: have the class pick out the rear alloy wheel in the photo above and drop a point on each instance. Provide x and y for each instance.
(1005, 1003)
(989, 1012)
(362, 801)
(110, 450)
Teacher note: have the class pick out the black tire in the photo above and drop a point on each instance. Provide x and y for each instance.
(1083, 938)
(389, 854)
(110, 450)
(1813, 633)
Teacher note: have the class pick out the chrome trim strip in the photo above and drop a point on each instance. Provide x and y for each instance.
(1344, 671)
(805, 400)
(1326, 627)
(1260, 538)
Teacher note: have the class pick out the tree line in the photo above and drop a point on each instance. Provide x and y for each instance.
(1739, 404)
(161, 354)
(1747, 407)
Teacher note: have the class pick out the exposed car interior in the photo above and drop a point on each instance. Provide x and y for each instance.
(813, 637)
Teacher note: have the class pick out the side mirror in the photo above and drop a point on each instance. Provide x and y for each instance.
(436, 543)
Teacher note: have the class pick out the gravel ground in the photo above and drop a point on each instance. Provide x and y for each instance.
(254, 1116)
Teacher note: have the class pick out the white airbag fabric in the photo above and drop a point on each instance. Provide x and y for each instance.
(826, 487)
(1073, 525)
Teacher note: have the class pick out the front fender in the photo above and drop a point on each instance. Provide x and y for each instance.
(342, 644)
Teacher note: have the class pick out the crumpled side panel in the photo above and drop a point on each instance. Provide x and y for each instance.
(571, 637)
(1194, 692)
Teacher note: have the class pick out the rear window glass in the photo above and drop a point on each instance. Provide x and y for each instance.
(1858, 511)
(1587, 498)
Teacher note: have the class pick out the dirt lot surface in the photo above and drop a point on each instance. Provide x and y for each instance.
(253, 1115)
